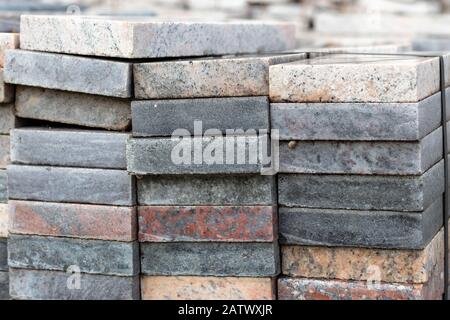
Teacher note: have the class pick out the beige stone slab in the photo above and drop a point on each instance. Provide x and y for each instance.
(7, 41)
(4, 151)
(6, 90)
(3, 220)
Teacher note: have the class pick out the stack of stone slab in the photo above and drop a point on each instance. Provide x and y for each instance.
(361, 177)
(71, 199)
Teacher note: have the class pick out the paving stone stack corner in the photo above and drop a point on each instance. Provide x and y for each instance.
(361, 183)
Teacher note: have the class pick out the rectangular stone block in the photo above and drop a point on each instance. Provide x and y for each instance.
(6, 90)
(69, 147)
(7, 41)
(3, 186)
(4, 286)
(396, 266)
(149, 38)
(210, 259)
(4, 220)
(91, 256)
(358, 121)
(73, 108)
(53, 285)
(73, 220)
(4, 151)
(381, 158)
(364, 192)
(3, 254)
(79, 185)
(163, 117)
(207, 223)
(207, 288)
(207, 190)
(8, 118)
(207, 77)
(71, 73)
(373, 79)
(355, 228)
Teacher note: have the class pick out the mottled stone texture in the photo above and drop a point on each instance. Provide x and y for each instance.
(71, 73)
(149, 38)
(403, 193)
(355, 78)
(73, 108)
(211, 77)
(3, 186)
(3, 254)
(355, 228)
(163, 117)
(7, 41)
(4, 213)
(358, 121)
(8, 119)
(207, 190)
(207, 288)
(6, 90)
(79, 185)
(71, 148)
(196, 155)
(401, 266)
(4, 286)
(91, 256)
(53, 285)
(73, 220)
(207, 223)
(4, 151)
(210, 259)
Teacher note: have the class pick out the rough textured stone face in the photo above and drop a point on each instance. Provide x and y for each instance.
(4, 286)
(379, 229)
(6, 90)
(150, 38)
(7, 41)
(71, 73)
(73, 220)
(8, 119)
(4, 151)
(4, 212)
(70, 148)
(202, 78)
(207, 190)
(91, 256)
(79, 185)
(401, 266)
(163, 117)
(3, 186)
(3, 254)
(73, 108)
(351, 78)
(53, 285)
(358, 121)
(207, 288)
(403, 193)
(210, 259)
(207, 223)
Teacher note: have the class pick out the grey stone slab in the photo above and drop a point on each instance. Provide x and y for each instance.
(4, 151)
(4, 286)
(365, 192)
(70, 148)
(358, 121)
(6, 90)
(8, 118)
(3, 186)
(210, 259)
(70, 73)
(133, 37)
(231, 76)
(354, 228)
(90, 256)
(163, 117)
(3, 254)
(383, 158)
(73, 108)
(206, 190)
(53, 285)
(79, 185)
(195, 155)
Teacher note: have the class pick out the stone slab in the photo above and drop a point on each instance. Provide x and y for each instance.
(207, 223)
(381, 158)
(355, 78)
(7, 41)
(132, 37)
(91, 256)
(358, 121)
(207, 288)
(4, 220)
(163, 117)
(53, 285)
(6, 90)
(210, 259)
(195, 155)
(79, 185)
(69, 73)
(69, 148)
(73, 220)
(4, 151)
(73, 108)
(207, 77)
(4, 286)
(3, 186)
(206, 190)
(355, 228)
(3, 254)
(363, 192)
(8, 118)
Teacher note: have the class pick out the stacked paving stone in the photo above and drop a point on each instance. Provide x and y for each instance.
(361, 177)
(72, 202)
